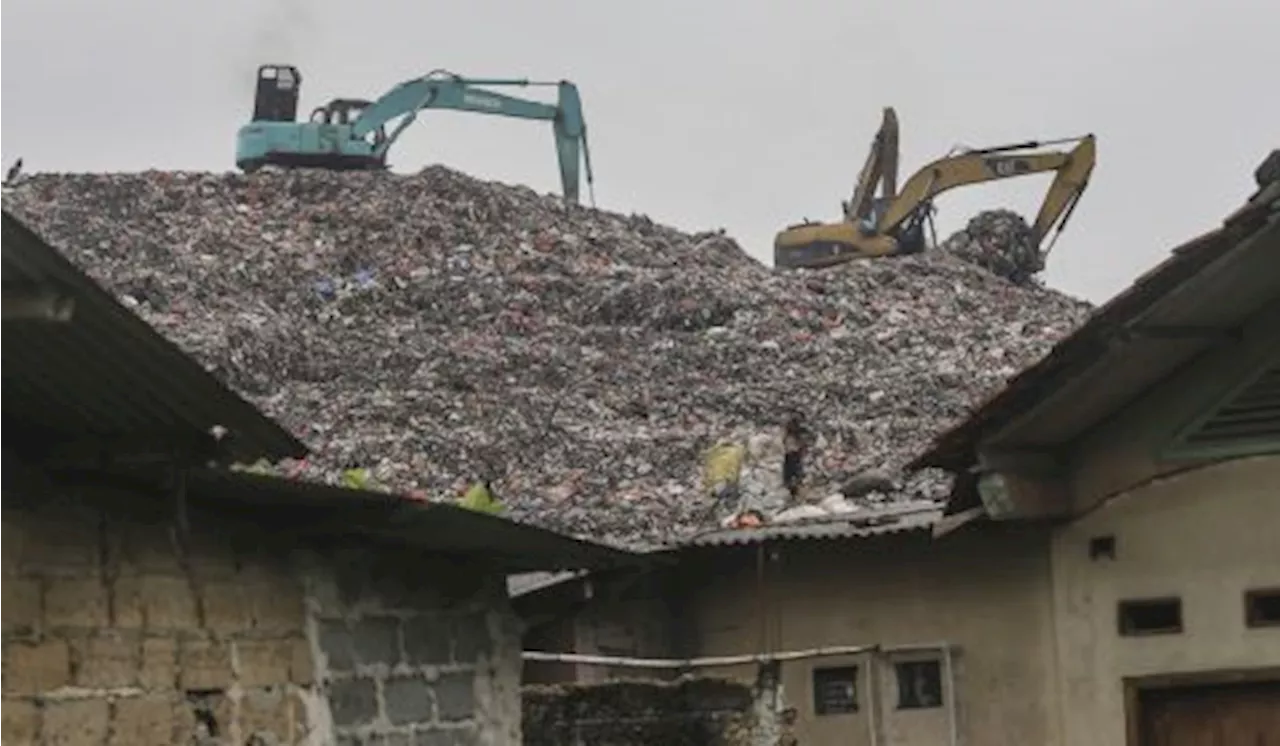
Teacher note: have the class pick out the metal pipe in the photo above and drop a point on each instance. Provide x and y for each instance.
(761, 606)
(873, 678)
(949, 675)
(721, 661)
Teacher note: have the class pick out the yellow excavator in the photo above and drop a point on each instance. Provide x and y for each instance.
(894, 223)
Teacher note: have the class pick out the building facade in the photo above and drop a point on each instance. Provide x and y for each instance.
(1105, 572)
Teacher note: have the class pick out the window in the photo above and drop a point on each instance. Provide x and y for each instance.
(835, 690)
(919, 684)
(1102, 547)
(1154, 616)
(1262, 607)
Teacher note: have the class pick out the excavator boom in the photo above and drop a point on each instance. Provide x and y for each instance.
(880, 169)
(898, 228)
(351, 134)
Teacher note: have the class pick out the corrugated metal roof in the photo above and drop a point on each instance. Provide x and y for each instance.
(313, 510)
(911, 516)
(532, 582)
(1168, 316)
(439, 527)
(106, 374)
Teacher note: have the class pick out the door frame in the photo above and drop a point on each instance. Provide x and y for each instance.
(1134, 686)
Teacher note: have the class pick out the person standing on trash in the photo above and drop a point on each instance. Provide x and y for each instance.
(795, 445)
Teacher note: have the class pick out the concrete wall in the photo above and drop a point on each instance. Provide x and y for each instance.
(697, 712)
(1205, 536)
(987, 593)
(119, 628)
(632, 615)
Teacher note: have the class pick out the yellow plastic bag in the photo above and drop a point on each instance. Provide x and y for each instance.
(723, 466)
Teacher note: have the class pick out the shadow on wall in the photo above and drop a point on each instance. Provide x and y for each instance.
(688, 712)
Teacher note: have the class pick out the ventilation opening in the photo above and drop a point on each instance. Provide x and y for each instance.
(1262, 608)
(1156, 616)
(835, 690)
(1251, 416)
(919, 684)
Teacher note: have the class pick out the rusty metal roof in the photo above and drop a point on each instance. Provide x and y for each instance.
(1191, 301)
(911, 516)
(438, 527)
(311, 510)
(105, 376)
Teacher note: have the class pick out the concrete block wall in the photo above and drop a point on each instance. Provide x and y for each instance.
(416, 651)
(124, 630)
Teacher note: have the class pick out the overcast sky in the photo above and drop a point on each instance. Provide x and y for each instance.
(742, 114)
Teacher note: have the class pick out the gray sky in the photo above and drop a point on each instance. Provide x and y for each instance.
(741, 114)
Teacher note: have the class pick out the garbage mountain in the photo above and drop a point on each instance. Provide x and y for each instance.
(433, 330)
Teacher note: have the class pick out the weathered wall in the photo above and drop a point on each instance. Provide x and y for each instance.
(632, 615)
(412, 646)
(985, 592)
(691, 712)
(1205, 536)
(121, 629)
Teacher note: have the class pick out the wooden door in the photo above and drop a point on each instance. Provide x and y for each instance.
(1222, 715)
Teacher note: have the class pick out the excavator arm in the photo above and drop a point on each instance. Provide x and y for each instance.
(880, 169)
(897, 229)
(992, 164)
(443, 90)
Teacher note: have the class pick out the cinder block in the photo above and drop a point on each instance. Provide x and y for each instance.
(60, 541)
(106, 661)
(435, 737)
(126, 602)
(471, 637)
(81, 722)
(35, 668)
(275, 716)
(463, 735)
(353, 702)
(428, 640)
(146, 549)
(263, 662)
(277, 601)
(337, 645)
(227, 609)
(143, 720)
(167, 603)
(204, 664)
(377, 640)
(159, 667)
(20, 605)
(408, 700)
(21, 723)
(456, 695)
(302, 667)
(210, 555)
(13, 539)
(76, 603)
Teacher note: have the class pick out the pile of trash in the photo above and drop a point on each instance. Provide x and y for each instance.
(427, 331)
(1001, 242)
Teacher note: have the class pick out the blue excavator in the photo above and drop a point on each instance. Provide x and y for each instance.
(349, 134)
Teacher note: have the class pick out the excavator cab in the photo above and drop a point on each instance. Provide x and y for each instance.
(276, 97)
(346, 111)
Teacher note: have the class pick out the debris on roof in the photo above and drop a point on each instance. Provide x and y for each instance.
(436, 330)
